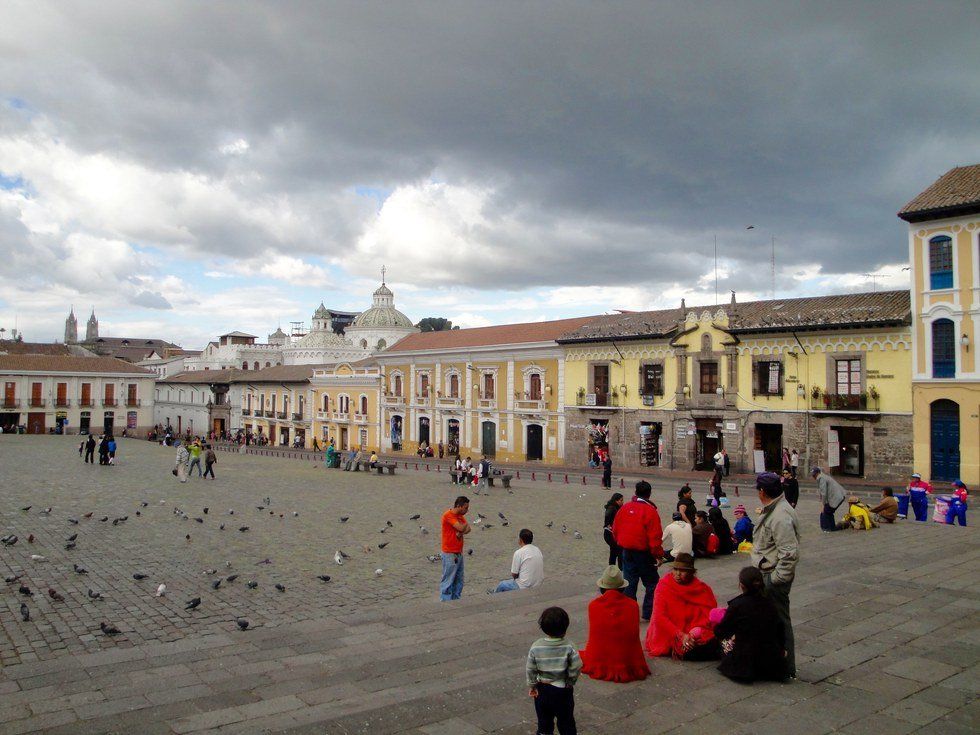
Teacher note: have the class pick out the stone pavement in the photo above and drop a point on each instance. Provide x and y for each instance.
(886, 622)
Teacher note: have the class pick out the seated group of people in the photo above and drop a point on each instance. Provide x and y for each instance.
(704, 534)
(687, 624)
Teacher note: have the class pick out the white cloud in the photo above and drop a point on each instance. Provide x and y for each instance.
(234, 148)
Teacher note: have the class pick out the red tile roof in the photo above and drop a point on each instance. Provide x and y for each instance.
(70, 364)
(504, 334)
(955, 192)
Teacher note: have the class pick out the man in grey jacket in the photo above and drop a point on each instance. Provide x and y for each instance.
(832, 496)
(776, 552)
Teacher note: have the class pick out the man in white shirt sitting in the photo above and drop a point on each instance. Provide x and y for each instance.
(527, 568)
(680, 535)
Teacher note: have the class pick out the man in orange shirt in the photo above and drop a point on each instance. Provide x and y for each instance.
(454, 527)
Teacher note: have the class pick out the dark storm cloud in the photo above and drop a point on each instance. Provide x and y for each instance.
(652, 127)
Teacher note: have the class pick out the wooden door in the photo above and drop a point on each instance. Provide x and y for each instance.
(9, 394)
(110, 394)
(62, 394)
(36, 394)
(86, 394)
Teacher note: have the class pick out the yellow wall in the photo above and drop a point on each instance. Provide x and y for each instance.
(968, 398)
(361, 428)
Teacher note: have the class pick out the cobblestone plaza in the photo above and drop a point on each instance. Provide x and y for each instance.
(886, 622)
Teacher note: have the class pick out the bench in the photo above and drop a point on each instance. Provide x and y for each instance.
(382, 466)
(505, 479)
(362, 464)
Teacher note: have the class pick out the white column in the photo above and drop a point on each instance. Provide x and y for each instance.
(511, 443)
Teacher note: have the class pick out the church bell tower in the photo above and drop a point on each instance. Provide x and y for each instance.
(71, 328)
(92, 328)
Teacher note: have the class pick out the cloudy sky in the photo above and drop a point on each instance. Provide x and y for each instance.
(191, 168)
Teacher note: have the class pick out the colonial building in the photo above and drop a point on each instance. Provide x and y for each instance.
(346, 402)
(236, 350)
(131, 349)
(75, 394)
(199, 401)
(828, 376)
(497, 391)
(944, 254)
(276, 404)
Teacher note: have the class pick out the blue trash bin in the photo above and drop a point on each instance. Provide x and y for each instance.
(903, 505)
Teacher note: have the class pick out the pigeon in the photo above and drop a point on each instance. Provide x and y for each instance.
(227, 565)
(139, 575)
(469, 552)
(210, 571)
(161, 590)
(481, 516)
(231, 578)
(191, 604)
(72, 537)
(79, 570)
(11, 580)
(577, 535)
(117, 521)
(280, 587)
(338, 558)
(55, 595)
(381, 546)
(295, 514)
(109, 630)
(138, 514)
(389, 524)
(243, 529)
(505, 523)
(267, 560)
(215, 584)
(383, 529)
(478, 521)
(187, 536)
(144, 504)
(231, 512)
(251, 584)
(433, 558)
(414, 517)
(502, 516)
(564, 528)
(9, 540)
(46, 511)
(103, 519)
(344, 519)
(30, 538)
(267, 501)
(346, 556)
(423, 530)
(199, 520)
(487, 525)
(259, 507)
(323, 577)
(27, 508)
(242, 623)
(38, 557)
(378, 572)
(94, 595)
(550, 524)
(73, 521)
(89, 514)
(206, 510)
(221, 527)
(25, 612)
(25, 590)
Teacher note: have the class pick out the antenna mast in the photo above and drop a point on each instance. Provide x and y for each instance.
(772, 266)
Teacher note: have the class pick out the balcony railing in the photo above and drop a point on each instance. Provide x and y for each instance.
(297, 417)
(108, 401)
(341, 416)
(86, 402)
(282, 415)
(601, 400)
(246, 412)
(360, 418)
(393, 400)
(37, 402)
(486, 403)
(532, 405)
(447, 402)
(844, 402)
(132, 402)
(62, 402)
(322, 415)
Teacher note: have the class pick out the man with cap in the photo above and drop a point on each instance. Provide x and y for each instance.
(637, 531)
(832, 496)
(613, 651)
(918, 496)
(776, 552)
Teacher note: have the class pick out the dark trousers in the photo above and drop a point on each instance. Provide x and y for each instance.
(555, 703)
(615, 553)
(920, 507)
(640, 566)
(827, 522)
(90, 456)
(607, 478)
(779, 594)
(209, 469)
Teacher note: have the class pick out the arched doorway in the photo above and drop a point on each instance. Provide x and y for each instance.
(489, 446)
(395, 434)
(423, 430)
(944, 432)
(535, 442)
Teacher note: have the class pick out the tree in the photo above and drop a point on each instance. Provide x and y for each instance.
(435, 324)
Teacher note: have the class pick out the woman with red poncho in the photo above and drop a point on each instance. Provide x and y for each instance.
(680, 625)
(613, 651)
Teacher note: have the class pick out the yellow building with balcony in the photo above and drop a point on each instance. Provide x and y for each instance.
(944, 255)
(275, 404)
(495, 391)
(829, 376)
(346, 400)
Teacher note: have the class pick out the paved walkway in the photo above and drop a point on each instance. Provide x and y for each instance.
(886, 621)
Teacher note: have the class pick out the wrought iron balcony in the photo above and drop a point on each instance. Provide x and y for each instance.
(529, 405)
(845, 403)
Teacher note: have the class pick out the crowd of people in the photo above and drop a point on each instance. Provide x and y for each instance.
(106, 446)
(190, 454)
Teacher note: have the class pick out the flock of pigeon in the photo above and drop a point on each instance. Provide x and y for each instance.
(339, 557)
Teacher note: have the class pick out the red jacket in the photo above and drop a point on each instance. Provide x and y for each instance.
(637, 527)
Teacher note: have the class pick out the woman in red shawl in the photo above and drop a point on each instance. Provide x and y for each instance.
(613, 651)
(680, 625)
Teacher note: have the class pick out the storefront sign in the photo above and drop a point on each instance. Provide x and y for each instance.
(731, 426)
(590, 399)
(875, 375)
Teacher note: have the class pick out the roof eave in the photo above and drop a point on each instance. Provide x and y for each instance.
(903, 322)
(615, 338)
(925, 215)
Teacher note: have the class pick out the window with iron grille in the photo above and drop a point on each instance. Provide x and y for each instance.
(943, 349)
(652, 380)
(940, 262)
(849, 377)
(768, 378)
(709, 377)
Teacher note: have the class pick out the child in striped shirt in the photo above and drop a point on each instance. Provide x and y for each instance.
(553, 666)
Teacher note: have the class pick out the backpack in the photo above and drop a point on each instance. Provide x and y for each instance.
(713, 544)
